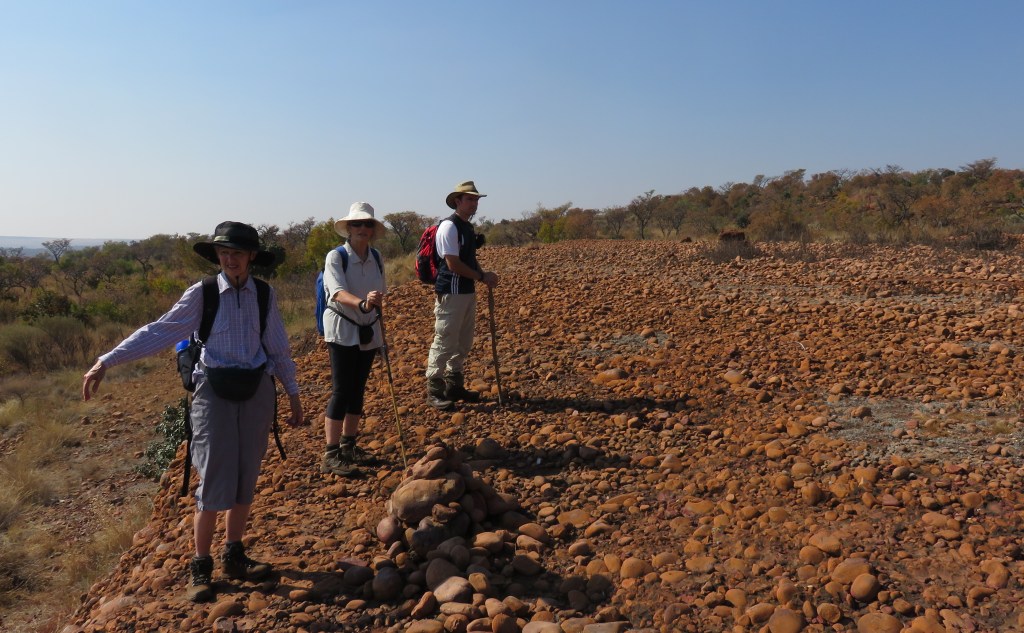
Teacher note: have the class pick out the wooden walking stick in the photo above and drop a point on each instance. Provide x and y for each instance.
(494, 344)
(391, 383)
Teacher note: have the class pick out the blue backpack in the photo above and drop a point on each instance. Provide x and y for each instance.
(321, 293)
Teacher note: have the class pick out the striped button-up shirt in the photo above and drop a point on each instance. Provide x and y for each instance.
(234, 339)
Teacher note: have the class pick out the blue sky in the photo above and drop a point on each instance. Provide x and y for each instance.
(126, 119)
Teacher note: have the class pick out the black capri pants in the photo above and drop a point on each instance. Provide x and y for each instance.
(350, 368)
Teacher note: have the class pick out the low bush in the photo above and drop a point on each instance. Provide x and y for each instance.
(161, 452)
(724, 251)
(23, 348)
(69, 341)
(48, 304)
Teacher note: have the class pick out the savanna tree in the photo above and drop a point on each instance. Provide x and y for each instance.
(642, 209)
(57, 248)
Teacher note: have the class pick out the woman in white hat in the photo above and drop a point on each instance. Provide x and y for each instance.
(354, 280)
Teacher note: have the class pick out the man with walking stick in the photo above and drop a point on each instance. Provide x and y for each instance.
(455, 300)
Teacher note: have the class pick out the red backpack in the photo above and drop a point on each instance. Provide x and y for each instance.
(426, 256)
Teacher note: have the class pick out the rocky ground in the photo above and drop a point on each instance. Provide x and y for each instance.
(812, 439)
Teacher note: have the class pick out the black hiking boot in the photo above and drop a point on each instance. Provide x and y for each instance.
(200, 588)
(357, 454)
(238, 566)
(455, 389)
(436, 398)
(338, 462)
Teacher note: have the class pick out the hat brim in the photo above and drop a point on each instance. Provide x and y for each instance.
(341, 227)
(207, 251)
(450, 200)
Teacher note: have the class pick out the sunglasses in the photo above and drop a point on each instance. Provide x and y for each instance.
(361, 223)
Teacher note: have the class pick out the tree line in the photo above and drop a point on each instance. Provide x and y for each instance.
(977, 205)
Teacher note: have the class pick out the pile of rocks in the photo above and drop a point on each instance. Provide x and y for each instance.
(460, 544)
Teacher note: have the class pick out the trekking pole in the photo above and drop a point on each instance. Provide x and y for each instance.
(188, 448)
(494, 343)
(391, 383)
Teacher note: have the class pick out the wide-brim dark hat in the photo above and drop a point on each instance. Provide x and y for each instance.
(234, 235)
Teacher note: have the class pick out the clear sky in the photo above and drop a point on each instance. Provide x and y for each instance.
(125, 119)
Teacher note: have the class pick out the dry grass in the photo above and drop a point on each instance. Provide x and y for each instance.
(11, 412)
(12, 504)
(82, 567)
(30, 481)
(24, 558)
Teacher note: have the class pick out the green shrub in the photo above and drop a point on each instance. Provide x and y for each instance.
(47, 304)
(168, 285)
(161, 452)
(9, 311)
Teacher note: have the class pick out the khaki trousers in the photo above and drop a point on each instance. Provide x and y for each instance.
(454, 322)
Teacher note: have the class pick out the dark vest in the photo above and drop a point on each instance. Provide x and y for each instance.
(447, 281)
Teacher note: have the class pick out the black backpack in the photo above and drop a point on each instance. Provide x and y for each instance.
(190, 349)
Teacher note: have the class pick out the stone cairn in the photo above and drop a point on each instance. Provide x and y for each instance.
(458, 543)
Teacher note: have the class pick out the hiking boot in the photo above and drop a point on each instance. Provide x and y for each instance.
(436, 398)
(358, 455)
(200, 571)
(238, 566)
(455, 389)
(338, 463)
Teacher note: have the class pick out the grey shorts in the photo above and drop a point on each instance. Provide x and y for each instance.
(229, 440)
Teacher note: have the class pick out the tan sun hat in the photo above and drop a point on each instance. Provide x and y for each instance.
(359, 211)
(466, 187)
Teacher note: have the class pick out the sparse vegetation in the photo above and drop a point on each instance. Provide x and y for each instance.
(174, 429)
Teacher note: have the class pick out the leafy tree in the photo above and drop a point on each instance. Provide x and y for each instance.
(322, 238)
(407, 226)
(552, 222)
(670, 215)
(895, 195)
(78, 271)
(580, 224)
(615, 219)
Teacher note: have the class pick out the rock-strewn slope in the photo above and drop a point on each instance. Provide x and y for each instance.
(808, 440)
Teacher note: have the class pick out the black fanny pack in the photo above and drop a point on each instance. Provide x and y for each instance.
(365, 331)
(235, 383)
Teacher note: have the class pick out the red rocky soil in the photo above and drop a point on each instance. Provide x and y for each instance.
(808, 440)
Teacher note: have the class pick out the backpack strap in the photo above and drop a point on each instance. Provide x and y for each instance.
(344, 258)
(263, 300)
(376, 255)
(211, 301)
